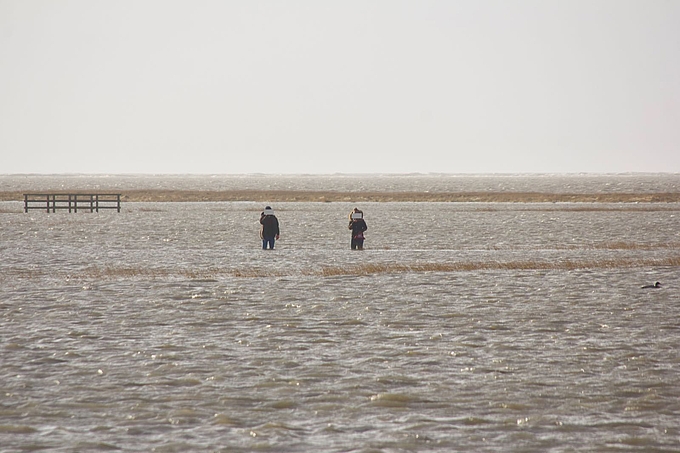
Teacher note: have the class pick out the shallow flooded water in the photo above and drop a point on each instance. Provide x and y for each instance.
(461, 327)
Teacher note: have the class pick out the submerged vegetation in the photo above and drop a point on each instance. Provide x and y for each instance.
(166, 195)
(127, 272)
(332, 196)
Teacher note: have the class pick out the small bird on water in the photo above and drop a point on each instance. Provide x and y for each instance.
(655, 285)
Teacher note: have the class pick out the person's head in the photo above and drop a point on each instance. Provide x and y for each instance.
(268, 210)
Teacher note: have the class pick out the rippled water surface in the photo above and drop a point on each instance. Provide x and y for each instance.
(461, 327)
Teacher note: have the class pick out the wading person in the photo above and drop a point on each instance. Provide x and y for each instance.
(269, 232)
(358, 225)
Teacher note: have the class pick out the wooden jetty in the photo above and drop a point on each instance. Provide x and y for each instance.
(51, 202)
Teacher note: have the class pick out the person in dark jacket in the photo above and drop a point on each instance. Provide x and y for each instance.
(358, 225)
(269, 232)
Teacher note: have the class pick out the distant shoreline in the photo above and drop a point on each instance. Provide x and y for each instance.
(165, 195)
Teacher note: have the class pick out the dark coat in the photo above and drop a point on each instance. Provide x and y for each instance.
(357, 226)
(270, 226)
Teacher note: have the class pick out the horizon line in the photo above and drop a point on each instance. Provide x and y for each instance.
(582, 173)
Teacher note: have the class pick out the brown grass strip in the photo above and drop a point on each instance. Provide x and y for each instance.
(117, 273)
(330, 196)
(165, 195)
(377, 268)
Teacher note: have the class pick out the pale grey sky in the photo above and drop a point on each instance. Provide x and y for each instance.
(467, 86)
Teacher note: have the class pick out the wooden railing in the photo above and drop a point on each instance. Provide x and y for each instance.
(51, 202)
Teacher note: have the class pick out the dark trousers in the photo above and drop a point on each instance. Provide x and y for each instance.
(269, 241)
(357, 244)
